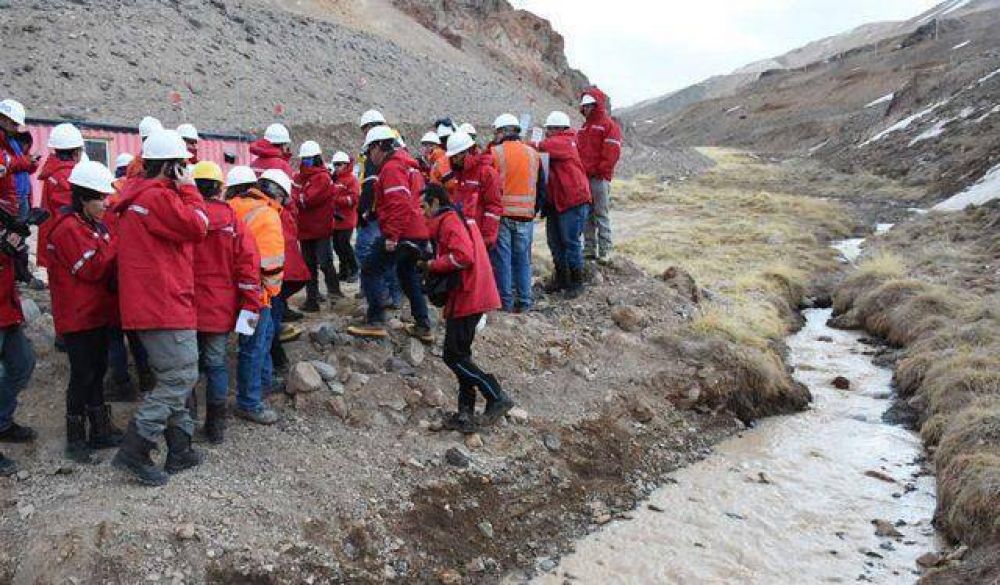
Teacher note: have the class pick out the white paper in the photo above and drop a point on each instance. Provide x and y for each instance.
(537, 134)
(246, 324)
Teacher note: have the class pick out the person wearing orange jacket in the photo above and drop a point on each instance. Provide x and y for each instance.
(477, 190)
(346, 195)
(430, 152)
(161, 217)
(460, 249)
(82, 257)
(600, 145)
(441, 171)
(567, 205)
(227, 281)
(257, 203)
(316, 209)
(66, 143)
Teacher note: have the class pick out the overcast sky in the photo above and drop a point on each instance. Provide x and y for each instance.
(637, 49)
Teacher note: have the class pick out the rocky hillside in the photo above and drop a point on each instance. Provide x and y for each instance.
(242, 64)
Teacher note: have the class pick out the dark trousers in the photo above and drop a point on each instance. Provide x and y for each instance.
(278, 306)
(458, 337)
(318, 255)
(345, 253)
(118, 356)
(88, 362)
(404, 261)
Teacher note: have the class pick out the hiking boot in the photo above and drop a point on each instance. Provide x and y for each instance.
(264, 416)
(103, 432)
(180, 455)
(215, 422)
(575, 288)
(310, 306)
(77, 449)
(289, 333)
(498, 403)
(120, 390)
(291, 315)
(462, 422)
(8, 467)
(18, 434)
(133, 457)
(559, 280)
(421, 332)
(371, 331)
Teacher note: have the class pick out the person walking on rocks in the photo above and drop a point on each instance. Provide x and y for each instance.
(567, 204)
(316, 209)
(460, 250)
(161, 217)
(600, 146)
(346, 194)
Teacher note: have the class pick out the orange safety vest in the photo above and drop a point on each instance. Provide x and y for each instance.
(518, 165)
(262, 216)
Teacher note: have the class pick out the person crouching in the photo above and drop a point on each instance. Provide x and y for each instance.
(460, 249)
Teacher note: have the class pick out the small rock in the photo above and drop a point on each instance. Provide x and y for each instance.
(184, 531)
(303, 377)
(628, 318)
(552, 442)
(602, 519)
(326, 371)
(413, 398)
(23, 475)
(486, 529)
(335, 387)
(456, 457)
(763, 478)
(394, 364)
(474, 441)
(885, 529)
(930, 559)
(824, 339)
(655, 508)
(414, 352)
(841, 383)
(959, 553)
(449, 577)
(389, 572)
(434, 397)
(25, 511)
(547, 565)
(358, 381)
(641, 410)
(338, 407)
(30, 310)
(879, 475)
(323, 334)
(518, 415)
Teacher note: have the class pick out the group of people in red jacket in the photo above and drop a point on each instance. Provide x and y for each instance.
(180, 256)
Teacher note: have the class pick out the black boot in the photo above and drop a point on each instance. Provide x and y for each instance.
(291, 315)
(310, 306)
(133, 457)
(333, 291)
(77, 448)
(463, 421)
(497, 401)
(559, 282)
(215, 422)
(103, 432)
(180, 455)
(575, 288)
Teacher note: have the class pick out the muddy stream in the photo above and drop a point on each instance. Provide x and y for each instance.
(792, 500)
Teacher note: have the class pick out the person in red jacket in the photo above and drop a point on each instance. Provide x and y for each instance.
(316, 209)
(66, 143)
(346, 195)
(226, 282)
(16, 158)
(567, 204)
(273, 151)
(404, 236)
(477, 191)
(600, 144)
(82, 256)
(161, 218)
(461, 249)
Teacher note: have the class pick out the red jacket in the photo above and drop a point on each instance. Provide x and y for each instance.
(10, 302)
(461, 247)
(269, 156)
(160, 224)
(226, 270)
(14, 164)
(56, 194)
(82, 258)
(567, 186)
(295, 265)
(346, 194)
(600, 139)
(397, 199)
(314, 197)
(478, 193)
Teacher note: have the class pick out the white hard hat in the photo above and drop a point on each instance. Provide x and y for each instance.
(148, 125)
(165, 145)
(558, 119)
(309, 149)
(92, 175)
(587, 100)
(13, 110)
(340, 157)
(377, 134)
(444, 131)
(278, 176)
(240, 175)
(65, 137)
(459, 142)
(506, 120)
(371, 117)
(277, 134)
(432, 138)
(188, 132)
(124, 159)
(467, 128)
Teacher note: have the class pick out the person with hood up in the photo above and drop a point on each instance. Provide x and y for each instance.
(567, 204)
(346, 195)
(273, 151)
(190, 135)
(477, 190)
(316, 209)
(147, 126)
(66, 143)
(161, 218)
(600, 144)
(82, 257)
(460, 249)
(258, 204)
(16, 158)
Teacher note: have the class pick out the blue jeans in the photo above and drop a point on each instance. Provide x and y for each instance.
(363, 248)
(118, 357)
(254, 357)
(17, 363)
(511, 259)
(212, 362)
(373, 270)
(564, 232)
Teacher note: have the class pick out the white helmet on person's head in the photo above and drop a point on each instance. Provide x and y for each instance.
(378, 134)
(371, 117)
(506, 121)
(587, 100)
(65, 137)
(188, 132)
(277, 134)
(430, 138)
(92, 175)
(14, 110)
(240, 175)
(309, 149)
(467, 128)
(558, 119)
(165, 145)
(459, 142)
(124, 159)
(278, 177)
(148, 125)
(340, 157)
(444, 131)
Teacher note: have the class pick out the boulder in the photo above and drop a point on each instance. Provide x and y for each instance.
(841, 383)
(326, 371)
(303, 378)
(628, 318)
(414, 352)
(456, 457)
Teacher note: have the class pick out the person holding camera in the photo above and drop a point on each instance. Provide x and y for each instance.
(161, 217)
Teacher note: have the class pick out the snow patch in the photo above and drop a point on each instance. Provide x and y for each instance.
(955, 6)
(904, 123)
(985, 190)
(816, 148)
(733, 109)
(961, 45)
(881, 100)
(995, 110)
(983, 80)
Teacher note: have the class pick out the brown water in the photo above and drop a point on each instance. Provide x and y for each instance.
(788, 501)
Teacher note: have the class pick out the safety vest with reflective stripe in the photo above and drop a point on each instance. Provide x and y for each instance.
(518, 165)
(262, 216)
